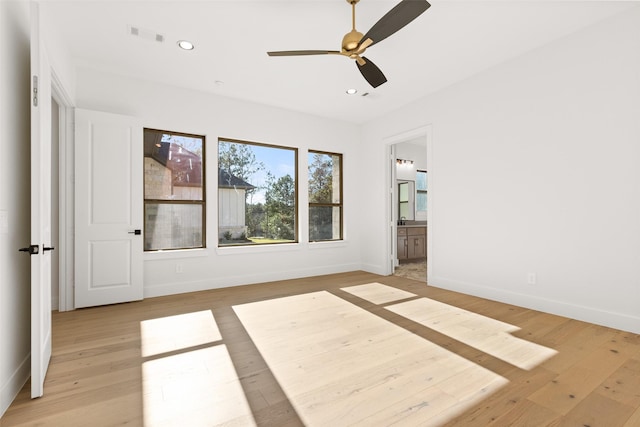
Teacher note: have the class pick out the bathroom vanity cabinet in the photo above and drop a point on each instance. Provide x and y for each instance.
(412, 241)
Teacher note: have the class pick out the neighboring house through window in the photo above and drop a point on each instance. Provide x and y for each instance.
(174, 191)
(232, 209)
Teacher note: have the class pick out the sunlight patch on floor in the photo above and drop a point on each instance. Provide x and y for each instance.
(378, 293)
(341, 365)
(194, 387)
(483, 333)
(172, 333)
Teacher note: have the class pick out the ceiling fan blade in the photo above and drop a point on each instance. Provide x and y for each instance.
(394, 20)
(302, 52)
(371, 72)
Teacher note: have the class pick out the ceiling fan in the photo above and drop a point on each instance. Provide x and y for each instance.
(354, 43)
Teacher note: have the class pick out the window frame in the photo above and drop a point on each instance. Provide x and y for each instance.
(421, 191)
(202, 202)
(338, 205)
(296, 186)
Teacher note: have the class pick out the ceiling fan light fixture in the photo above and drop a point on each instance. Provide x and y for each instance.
(186, 45)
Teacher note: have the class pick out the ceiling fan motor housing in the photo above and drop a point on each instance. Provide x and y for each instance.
(351, 41)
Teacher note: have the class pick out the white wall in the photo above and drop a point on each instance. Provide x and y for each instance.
(14, 200)
(171, 108)
(410, 151)
(536, 169)
(59, 57)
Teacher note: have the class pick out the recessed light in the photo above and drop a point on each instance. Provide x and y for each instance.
(186, 45)
(352, 91)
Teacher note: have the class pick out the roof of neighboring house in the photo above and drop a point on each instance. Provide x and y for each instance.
(226, 180)
(186, 166)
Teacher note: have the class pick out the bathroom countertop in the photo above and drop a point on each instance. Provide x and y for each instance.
(410, 224)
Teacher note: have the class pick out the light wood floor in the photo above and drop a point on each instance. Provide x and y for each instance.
(344, 349)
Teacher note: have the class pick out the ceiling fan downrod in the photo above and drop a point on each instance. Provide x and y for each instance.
(351, 40)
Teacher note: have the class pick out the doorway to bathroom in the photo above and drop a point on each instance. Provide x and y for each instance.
(409, 205)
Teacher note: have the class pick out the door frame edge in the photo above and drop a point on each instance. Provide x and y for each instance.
(66, 195)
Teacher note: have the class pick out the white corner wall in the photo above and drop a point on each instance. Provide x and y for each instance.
(536, 169)
(15, 341)
(172, 108)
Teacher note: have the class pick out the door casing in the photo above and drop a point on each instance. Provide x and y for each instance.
(391, 218)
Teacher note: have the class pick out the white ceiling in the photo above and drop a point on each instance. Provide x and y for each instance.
(451, 41)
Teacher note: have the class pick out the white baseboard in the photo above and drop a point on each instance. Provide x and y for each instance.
(14, 384)
(151, 290)
(597, 316)
(375, 269)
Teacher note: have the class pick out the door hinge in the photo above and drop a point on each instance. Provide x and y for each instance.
(35, 91)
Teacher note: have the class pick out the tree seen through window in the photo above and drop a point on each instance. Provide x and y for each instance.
(325, 196)
(256, 193)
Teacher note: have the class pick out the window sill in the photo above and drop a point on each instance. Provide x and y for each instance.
(176, 254)
(328, 244)
(256, 249)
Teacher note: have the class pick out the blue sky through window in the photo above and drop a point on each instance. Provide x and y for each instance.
(279, 161)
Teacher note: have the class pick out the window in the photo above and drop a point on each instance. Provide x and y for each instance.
(325, 196)
(257, 193)
(421, 187)
(174, 196)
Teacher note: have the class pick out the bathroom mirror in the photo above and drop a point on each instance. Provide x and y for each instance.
(406, 200)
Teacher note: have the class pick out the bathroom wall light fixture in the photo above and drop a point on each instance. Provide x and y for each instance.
(404, 162)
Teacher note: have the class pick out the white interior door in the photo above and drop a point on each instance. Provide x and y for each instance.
(108, 208)
(40, 208)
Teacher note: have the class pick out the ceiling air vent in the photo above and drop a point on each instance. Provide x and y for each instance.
(145, 34)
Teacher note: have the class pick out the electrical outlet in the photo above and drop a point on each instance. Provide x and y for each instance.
(179, 268)
(531, 278)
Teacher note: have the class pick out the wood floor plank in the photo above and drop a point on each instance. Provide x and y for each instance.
(121, 410)
(403, 372)
(378, 293)
(572, 386)
(624, 384)
(525, 414)
(97, 374)
(481, 332)
(597, 410)
(507, 399)
(633, 420)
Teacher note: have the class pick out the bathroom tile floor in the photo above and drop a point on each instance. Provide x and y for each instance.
(412, 270)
